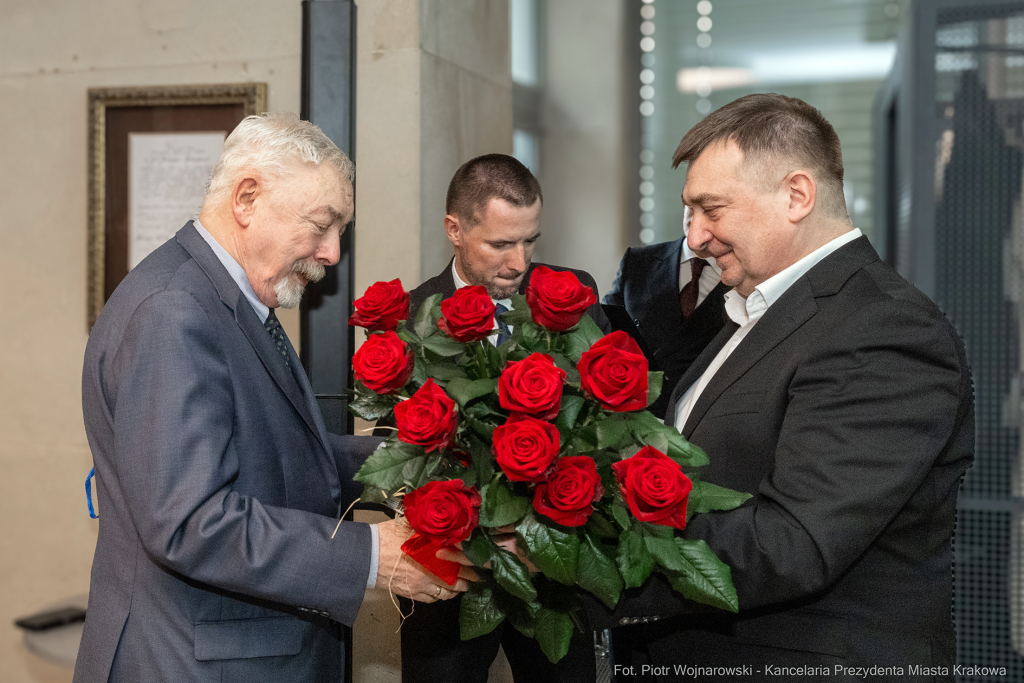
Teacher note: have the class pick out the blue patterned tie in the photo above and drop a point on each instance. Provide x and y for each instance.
(273, 326)
(503, 331)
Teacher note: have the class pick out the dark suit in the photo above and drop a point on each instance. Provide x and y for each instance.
(848, 412)
(432, 650)
(648, 287)
(218, 489)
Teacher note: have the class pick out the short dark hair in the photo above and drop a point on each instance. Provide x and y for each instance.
(490, 176)
(770, 127)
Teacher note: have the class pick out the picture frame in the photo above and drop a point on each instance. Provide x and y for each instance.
(114, 115)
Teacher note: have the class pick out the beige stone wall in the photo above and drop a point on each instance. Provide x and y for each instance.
(583, 147)
(51, 51)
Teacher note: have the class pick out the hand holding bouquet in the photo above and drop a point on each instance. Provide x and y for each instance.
(546, 432)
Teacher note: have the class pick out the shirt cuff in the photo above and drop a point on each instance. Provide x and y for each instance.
(371, 578)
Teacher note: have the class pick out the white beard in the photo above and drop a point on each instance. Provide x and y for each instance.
(289, 291)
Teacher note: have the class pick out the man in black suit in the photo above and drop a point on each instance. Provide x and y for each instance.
(493, 221)
(839, 396)
(677, 302)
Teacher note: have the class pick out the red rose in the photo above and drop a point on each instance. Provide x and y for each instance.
(654, 487)
(446, 510)
(427, 418)
(532, 386)
(381, 306)
(524, 447)
(557, 299)
(569, 494)
(468, 315)
(383, 363)
(614, 373)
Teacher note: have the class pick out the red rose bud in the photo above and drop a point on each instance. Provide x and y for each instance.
(532, 386)
(524, 447)
(614, 373)
(445, 510)
(381, 306)
(427, 419)
(557, 299)
(654, 487)
(569, 494)
(442, 513)
(383, 363)
(468, 315)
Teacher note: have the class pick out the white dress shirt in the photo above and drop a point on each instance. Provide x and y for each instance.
(709, 277)
(746, 313)
(507, 303)
(237, 274)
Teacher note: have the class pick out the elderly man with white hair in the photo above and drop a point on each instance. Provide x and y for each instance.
(219, 487)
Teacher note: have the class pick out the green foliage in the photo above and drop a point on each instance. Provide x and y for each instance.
(654, 386)
(570, 410)
(443, 345)
(581, 338)
(706, 497)
(553, 551)
(465, 390)
(425, 323)
(553, 632)
(479, 613)
(520, 313)
(511, 574)
(500, 506)
(385, 468)
(700, 576)
(598, 573)
(478, 547)
(633, 559)
(370, 405)
(418, 471)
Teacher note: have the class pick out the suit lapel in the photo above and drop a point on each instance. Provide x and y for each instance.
(699, 365)
(251, 327)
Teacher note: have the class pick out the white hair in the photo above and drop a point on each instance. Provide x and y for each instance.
(271, 143)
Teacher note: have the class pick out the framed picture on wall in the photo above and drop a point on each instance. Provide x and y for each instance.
(151, 151)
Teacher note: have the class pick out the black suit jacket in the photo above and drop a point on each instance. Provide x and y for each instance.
(445, 285)
(848, 412)
(647, 286)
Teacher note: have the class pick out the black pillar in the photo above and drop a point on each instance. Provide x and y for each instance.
(328, 100)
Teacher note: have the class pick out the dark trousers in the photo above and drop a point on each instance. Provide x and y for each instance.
(433, 651)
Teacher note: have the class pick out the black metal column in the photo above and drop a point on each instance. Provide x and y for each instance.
(328, 100)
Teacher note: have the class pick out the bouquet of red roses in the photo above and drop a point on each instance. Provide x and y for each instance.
(547, 432)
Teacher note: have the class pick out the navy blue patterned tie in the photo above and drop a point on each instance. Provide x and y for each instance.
(273, 326)
(503, 330)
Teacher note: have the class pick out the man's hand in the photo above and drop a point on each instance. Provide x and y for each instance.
(406, 577)
(505, 537)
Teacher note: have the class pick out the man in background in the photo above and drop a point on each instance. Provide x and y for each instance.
(839, 396)
(676, 301)
(493, 222)
(219, 555)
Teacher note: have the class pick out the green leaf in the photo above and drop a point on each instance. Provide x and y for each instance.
(634, 560)
(371, 406)
(665, 553)
(419, 471)
(702, 577)
(598, 574)
(405, 334)
(481, 460)
(621, 514)
(520, 313)
(654, 384)
(570, 410)
(614, 433)
(479, 613)
(425, 324)
(500, 506)
(649, 430)
(445, 372)
(478, 547)
(553, 551)
(599, 525)
(589, 329)
(464, 390)
(384, 468)
(511, 574)
(443, 345)
(553, 632)
(706, 497)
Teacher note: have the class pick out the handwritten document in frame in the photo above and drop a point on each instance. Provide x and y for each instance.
(167, 175)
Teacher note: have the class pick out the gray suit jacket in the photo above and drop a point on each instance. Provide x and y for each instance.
(218, 490)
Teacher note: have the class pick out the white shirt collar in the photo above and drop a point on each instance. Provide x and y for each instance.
(685, 254)
(460, 283)
(236, 271)
(768, 292)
